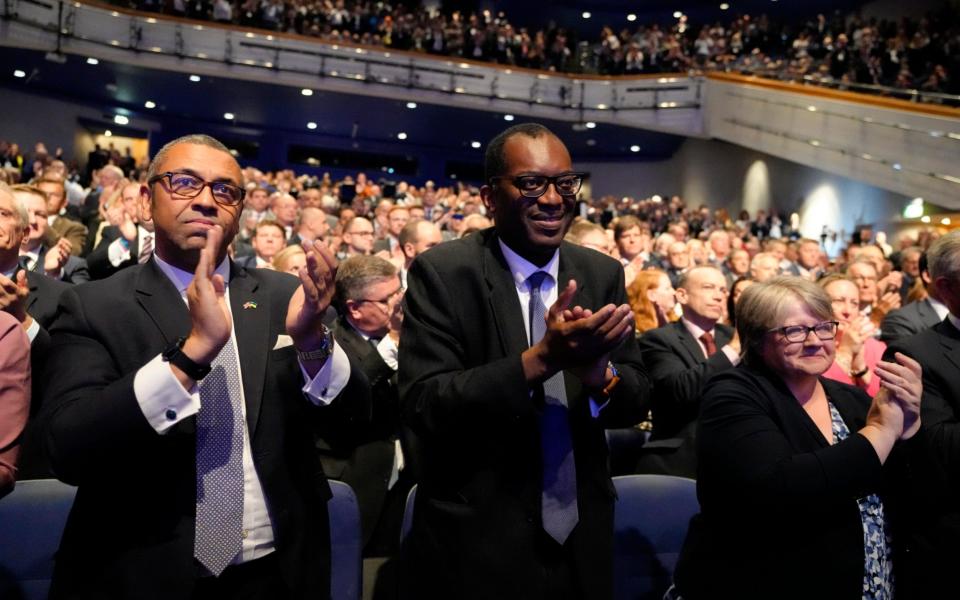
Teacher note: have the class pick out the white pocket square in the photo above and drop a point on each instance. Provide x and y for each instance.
(283, 341)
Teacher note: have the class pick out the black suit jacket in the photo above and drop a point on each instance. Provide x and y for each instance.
(778, 504)
(130, 533)
(679, 371)
(98, 262)
(904, 322)
(935, 510)
(366, 466)
(43, 297)
(477, 529)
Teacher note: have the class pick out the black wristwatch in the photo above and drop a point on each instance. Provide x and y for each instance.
(175, 356)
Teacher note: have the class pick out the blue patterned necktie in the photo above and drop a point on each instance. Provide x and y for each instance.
(219, 518)
(558, 500)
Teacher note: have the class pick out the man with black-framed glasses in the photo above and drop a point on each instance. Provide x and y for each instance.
(518, 350)
(183, 398)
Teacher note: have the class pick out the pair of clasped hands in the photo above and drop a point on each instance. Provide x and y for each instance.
(579, 340)
(210, 315)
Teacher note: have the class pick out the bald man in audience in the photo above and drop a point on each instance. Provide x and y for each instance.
(312, 225)
(417, 237)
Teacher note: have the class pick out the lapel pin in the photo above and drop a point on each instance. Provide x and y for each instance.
(251, 304)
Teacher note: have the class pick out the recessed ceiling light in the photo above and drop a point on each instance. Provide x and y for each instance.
(19, 74)
(897, 166)
(677, 14)
(228, 116)
(590, 125)
(401, 136)
(194, 78)
(945, 221)
(812, 108)
(108, 133)
(601, 107)
(149, 104)
(475, 144)
(925, 219)
(306, 92)
(92, 61)
(411, 105)
(508, 117)
(586, 15)
(311, 125)
(631, 17)
(120, 119)
(591, 142)
(724, 6)
(634, 148)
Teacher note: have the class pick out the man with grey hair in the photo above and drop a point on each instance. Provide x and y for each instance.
(368, 296)
(764, 266)
(934, 485)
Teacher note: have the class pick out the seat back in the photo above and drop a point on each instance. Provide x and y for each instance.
(407, 522)
(650, 523)
(32, 518)
(346, 575)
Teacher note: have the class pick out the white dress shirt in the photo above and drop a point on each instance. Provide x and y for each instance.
(161, 396)
(119, 252)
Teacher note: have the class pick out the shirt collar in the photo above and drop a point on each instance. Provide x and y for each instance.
(695, 330)
(938, 307)
(522, 269)
(955, 321)
(181, 279)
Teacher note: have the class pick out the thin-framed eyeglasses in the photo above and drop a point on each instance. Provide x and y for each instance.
(827, 330)
(186, 185)
(534, 186)
(385, 301)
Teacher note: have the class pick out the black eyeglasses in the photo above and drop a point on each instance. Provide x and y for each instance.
(534, 186)
(798, 333)
(186, 185)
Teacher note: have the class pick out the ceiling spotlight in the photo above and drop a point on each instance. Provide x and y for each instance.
(677, 14)
(475, 144)
(945, 221)
(925, 219)
(897, 166)
(194, 78)
(586, 15)
(724, 6)
(508, 117)
(411, 105)
(311, 125)
(401, 136)
(631, 17)
(149, 104)
(306, 92)
(590, 125)
(19, 74)
(92, 61)
(120, 119)
(634, 148)
(228, 116)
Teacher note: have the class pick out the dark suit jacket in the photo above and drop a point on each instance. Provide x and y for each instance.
(778, 504)
(679, 372)
(904, 322)
(130, 533)
(43, 298)
(74, 271)
(98, 261)
(366, 466)
(477, 529)
(935, 512)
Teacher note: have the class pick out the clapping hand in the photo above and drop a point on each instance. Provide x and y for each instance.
(310, 301)
(56, 257)
(903, 381)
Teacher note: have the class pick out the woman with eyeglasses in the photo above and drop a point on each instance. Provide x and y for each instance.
(792, 467)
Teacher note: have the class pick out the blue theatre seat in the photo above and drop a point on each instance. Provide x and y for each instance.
(32, 518)
(346, 575)
(650, 523)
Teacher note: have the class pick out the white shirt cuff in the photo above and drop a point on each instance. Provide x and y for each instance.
(732, 354)
(387, 348)
(117, 252)
(329, 380)
(163, 400)
(33, 330)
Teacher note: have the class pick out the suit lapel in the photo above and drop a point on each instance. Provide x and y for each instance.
(928, 316)
(161, 301)
(950, 341)
(32, 285)
(504, 304)
(251, 324)
(688, 343)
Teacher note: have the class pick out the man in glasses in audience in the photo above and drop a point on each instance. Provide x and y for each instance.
(181, 397)
(518, 350)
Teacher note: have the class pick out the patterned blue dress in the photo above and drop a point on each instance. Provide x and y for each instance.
(878, 566)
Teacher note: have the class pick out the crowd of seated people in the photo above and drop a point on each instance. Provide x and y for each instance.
(685, 271)
(912, 53)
